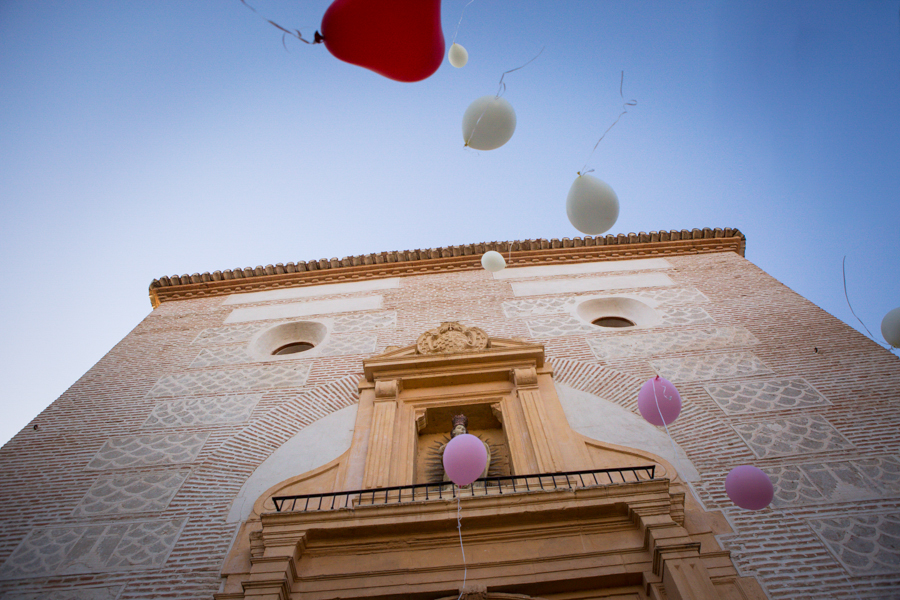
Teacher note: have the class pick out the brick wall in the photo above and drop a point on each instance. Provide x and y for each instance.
(124, 489)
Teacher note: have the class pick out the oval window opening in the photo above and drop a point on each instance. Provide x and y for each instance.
(293, 348)
(613, 322)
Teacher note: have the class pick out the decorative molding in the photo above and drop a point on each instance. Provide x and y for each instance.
(446, 259)
(452, 338)
(524, 377)
(421, 419)
(387, 390)
(497, 411)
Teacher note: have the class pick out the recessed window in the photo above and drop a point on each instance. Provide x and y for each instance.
(612, 322)
(286, 340)
(293, 348)
(617, 312)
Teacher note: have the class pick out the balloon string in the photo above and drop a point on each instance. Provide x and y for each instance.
(461, 549)
(502, 89)
(500, 92)
(625, 106)
(318, 39)
(456, 33)
(661, 418)
(844, 273)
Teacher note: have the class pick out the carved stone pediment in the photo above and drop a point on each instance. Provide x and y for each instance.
(451, 338)
(453, 348)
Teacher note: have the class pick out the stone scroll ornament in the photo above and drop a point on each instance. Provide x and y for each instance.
(399, 39)
(450, 338)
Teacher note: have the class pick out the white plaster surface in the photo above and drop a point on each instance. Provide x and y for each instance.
(590, 284)
(304, 309)
(328, 289)
(315, 445)
(604, 421)
(638, 264)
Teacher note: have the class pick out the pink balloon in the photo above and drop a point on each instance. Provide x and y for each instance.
(749, 487)
(465, 459)
(659, 402)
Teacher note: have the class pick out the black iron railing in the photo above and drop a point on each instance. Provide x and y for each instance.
(488, 486)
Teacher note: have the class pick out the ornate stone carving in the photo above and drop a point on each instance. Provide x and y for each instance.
(450, 338)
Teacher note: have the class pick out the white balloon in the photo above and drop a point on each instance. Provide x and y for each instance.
(890, 327)
(493, 261)
(458, 56)
(592, 206)
(488, 123)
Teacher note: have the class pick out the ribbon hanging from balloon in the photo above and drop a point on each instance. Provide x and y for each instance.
(490, 121)
(458, 56)
(399, 39)
(591, 205)
(890, 324)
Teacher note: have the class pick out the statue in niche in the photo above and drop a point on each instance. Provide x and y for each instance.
(435, 464)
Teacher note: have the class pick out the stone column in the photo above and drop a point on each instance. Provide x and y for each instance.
(536, 420)
(381, 435)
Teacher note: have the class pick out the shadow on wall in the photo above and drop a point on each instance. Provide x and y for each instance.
(315, 445)
(598, 419)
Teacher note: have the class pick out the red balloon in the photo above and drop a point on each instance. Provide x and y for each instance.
(400, 39)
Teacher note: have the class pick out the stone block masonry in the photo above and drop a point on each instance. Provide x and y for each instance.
(124, 490)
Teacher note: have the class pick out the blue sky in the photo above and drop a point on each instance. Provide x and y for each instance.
(148, 139)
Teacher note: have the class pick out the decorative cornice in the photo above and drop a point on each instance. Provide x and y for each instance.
(446, 259)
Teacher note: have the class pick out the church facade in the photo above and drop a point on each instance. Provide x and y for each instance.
(277, 433)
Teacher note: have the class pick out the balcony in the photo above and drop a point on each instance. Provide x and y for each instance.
(489, 486)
